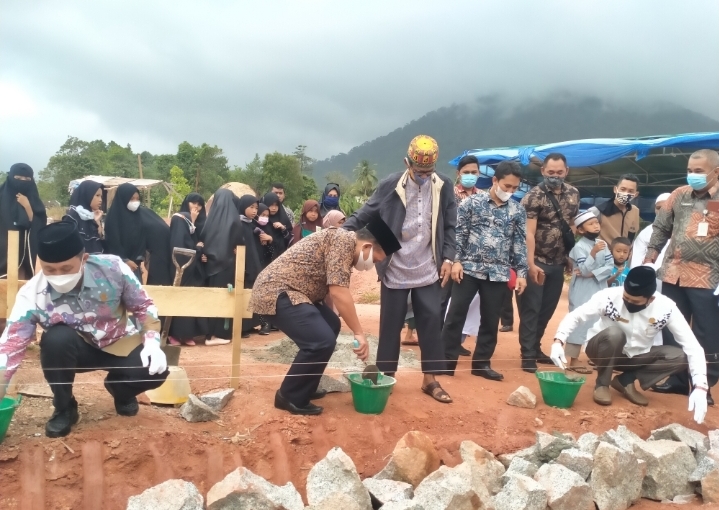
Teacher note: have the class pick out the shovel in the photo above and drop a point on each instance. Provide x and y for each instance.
(172, 352)
(370, 372)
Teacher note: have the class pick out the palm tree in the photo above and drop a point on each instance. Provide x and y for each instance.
(366, 179)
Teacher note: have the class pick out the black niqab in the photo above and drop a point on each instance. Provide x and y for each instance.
(324, 209)
(14, 217)
(89, 231)
(195, 198)
(222, 232)
(124, 230)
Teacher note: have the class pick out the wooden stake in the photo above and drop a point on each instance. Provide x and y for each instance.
(139, 164)
(32, 478)
(13, 250)
(240, 307)
(93, 477)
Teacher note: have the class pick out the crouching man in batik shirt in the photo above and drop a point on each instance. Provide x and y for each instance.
(82, 302)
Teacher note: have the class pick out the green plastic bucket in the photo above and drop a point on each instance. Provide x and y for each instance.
(7, 409)
(557, 389)
(367, 397)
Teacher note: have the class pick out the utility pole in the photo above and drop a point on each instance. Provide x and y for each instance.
(139, 164)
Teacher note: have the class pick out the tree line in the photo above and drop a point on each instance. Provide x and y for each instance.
(201, 168)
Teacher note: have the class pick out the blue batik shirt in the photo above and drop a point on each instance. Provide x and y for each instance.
(491, 238)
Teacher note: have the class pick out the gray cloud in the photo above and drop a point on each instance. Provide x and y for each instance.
(257, 77)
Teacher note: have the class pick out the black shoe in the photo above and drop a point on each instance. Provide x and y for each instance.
(274, 328)
(284, 404)
(265, 329)
(464, 352)
(61, 422)
(123, 407)
(710, 399)
(487, 373)
(506, 329)
(245, 334)
(529, 365)
(671, 387)
(318, 394)
(544, 359)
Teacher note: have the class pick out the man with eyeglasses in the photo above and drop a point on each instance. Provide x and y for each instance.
(419, 207)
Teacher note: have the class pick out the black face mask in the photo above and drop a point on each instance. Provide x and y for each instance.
(23, 187)
(634, 308)
(592, 236)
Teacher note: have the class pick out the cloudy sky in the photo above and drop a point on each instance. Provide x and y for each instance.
(255, 76)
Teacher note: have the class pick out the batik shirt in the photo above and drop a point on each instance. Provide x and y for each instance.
(491, 238)
(691, 260)
(548, 242)
(97, 311)
(460, 193)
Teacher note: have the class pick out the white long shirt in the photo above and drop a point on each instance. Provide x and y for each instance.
(640, 328)
(639, 249)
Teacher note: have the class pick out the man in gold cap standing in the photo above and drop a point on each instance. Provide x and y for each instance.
(419, 207)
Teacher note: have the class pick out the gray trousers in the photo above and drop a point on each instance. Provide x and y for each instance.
(605, 350)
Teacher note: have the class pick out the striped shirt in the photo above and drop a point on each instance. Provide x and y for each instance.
(414, 266)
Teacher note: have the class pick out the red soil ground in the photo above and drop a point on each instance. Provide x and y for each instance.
(158, 445)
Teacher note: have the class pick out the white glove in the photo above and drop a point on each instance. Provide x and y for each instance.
(152, 354)
(698, 404)
(557, 355)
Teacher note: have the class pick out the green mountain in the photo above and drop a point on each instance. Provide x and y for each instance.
(489, 122)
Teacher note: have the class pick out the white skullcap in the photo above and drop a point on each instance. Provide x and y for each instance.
(663, 197)
(583, 217)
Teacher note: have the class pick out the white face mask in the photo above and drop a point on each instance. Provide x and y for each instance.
(502, 195)
(262, 220)
(64, 283)
(134, 205)
(364, 264)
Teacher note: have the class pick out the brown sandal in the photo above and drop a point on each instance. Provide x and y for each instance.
(580, 369)
(439, 396)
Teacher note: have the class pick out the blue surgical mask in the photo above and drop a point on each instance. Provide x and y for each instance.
(421, 180)
(697, 181)
(468, 180)
(331, 201)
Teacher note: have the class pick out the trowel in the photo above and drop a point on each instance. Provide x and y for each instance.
(370, 372)
(176, 388)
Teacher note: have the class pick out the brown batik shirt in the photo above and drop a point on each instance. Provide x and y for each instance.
(691, 260)
(548, 241)
(306, 270)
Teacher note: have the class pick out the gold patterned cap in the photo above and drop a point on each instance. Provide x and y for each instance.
(423, 151)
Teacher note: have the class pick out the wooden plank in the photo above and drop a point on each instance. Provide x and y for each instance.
(13, 249)
(192, 301)
(240, 309)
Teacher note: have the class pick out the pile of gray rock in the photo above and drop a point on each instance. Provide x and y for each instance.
(205, 407)
(609, 472)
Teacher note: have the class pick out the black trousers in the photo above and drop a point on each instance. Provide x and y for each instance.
(536, 307)
(701, 309)
(506, 316)
(491, 298)
(426, 306)
(63, 353)
(445, 294)
(605, 350)
(314, 328)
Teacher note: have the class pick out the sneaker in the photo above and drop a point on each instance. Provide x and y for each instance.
(61, 422)
(217, 341)
(128, 407)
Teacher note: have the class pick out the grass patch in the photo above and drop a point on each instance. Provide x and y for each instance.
(369, 298)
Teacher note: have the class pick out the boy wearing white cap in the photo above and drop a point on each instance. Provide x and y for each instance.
(592, 264)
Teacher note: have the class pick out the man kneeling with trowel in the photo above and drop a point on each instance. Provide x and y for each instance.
(622, 340)
(82, 302)
(291, 290)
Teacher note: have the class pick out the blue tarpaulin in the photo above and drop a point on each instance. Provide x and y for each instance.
(584, 153)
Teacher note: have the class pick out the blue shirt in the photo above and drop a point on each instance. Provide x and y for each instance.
(619, 282)
(491, 238)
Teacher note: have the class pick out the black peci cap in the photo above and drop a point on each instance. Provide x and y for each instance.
(641, 281)
(59, 242)
(384, 235)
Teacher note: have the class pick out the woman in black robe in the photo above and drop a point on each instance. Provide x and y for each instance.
(221, 236)
(86, 211)
(195, 200)
(124, 230)
(251, 233)
(21, 209)
(158, 258)
(279, 225)
(182, 235)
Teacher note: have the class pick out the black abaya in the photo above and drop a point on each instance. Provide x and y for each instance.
(221, 235)
(14, 217)
(195, 198)
(280, 237)
(124, 230)
(157, 232)
(186, 328)
(80, 212)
